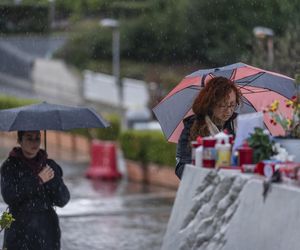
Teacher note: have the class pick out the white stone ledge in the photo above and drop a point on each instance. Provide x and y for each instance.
(226, 210)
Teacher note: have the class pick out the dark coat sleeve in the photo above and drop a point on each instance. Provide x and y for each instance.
(16, 187)
(183, 149)
(56, 189)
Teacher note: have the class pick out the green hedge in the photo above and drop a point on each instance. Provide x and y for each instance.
(111, 133)
(7, 102)
(147, 146)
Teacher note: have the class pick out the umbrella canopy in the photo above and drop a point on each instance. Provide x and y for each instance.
(259, 88)
(47, 116)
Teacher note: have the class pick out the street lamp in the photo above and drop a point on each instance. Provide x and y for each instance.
(114, 25)
(264, 33)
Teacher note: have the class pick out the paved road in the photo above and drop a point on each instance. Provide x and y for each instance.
(35, 45)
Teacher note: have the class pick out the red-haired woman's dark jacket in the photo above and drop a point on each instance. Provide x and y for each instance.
(183, 150)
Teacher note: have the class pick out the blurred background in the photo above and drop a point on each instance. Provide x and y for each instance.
(121, 57)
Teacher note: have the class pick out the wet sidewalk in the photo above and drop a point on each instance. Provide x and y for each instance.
(110, 214)
(113, 215)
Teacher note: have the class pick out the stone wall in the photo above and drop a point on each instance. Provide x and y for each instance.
(225, 210)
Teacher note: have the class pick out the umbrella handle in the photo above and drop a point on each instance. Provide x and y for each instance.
(45, 140)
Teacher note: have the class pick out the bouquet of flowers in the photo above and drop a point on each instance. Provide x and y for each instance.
(291, 125)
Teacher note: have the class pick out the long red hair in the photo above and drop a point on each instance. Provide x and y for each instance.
(215, 92)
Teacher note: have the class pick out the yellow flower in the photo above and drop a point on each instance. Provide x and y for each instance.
(289, 103)
(274, 106)
(289, 122)
(289, 119)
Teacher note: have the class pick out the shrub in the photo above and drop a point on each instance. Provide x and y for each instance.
(87, 41)
(147, 146)
(160, 151)
(7, 102)
(131, 146)
(111, 133)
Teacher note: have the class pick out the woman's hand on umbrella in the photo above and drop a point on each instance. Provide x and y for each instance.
(46, 174)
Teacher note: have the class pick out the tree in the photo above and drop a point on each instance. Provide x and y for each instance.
(286, 42)
(221, 31)
(212, 33)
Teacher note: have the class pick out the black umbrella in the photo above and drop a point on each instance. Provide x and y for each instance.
(47, 116)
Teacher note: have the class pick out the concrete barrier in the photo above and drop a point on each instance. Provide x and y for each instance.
(225, 210)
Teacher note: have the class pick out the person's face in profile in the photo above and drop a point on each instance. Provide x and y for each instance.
(224, 110)
(30, 143)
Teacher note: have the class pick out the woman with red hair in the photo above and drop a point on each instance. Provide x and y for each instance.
(213, 112)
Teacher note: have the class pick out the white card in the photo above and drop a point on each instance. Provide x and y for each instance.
(245, 126)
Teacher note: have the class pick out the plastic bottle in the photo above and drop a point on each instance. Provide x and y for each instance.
(199, 153)
(223, 154)
(231, 138)
(221, 136)
(209, 152)
(223, 148)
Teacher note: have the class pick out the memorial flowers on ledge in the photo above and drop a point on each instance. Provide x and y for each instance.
(262, 145)
(291, 125)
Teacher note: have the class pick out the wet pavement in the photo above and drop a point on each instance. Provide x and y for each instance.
(111, 214)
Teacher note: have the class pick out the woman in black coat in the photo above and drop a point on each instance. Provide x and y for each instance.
(213, 112)
(31, 185)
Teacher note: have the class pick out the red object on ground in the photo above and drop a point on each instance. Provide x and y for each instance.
(103, 160)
